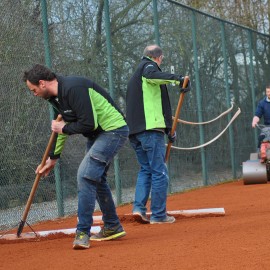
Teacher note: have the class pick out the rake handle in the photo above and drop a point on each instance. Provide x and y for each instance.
(177, 112)
(36, 182)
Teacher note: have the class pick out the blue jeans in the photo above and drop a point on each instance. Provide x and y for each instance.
(91, 177)
(150, 151)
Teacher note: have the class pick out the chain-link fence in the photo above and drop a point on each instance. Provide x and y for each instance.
(105, 41)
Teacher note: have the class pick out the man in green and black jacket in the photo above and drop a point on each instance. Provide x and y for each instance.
(86, 109)
(149, 117)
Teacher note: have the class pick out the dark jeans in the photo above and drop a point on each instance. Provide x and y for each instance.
(153, 174)
(91, 177)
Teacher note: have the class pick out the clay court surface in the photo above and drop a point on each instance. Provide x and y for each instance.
(238, 240)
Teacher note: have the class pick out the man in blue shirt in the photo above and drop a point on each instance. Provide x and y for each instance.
(263, 110)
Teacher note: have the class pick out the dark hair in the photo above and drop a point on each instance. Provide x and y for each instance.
(152, 51)
(38, 72)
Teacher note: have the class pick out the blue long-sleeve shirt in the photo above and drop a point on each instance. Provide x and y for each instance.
(263, 110)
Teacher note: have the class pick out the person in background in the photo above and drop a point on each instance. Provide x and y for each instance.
(263, 110)
(149, 117)
(87, 109)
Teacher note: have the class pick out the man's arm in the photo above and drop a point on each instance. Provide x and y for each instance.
(255, 121)
(156, 76)
(258, 114)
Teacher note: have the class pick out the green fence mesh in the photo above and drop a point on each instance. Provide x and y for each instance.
(223, 60)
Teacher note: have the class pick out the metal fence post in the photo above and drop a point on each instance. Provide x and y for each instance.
(155, 14)
(250, 47)
(224, 52)
(58, 183)
(157, 40)
(111, 85)
(198, 95)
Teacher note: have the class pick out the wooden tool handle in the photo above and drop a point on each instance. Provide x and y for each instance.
(177, 113)
(36, 182)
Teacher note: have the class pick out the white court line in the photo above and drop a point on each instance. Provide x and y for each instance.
(198, 211)
(94, 229)
(193, 212)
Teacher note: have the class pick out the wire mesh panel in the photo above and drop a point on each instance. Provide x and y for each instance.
(25, 119)
(225, 63)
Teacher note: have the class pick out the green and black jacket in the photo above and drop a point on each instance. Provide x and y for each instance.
(86, 108)
(148, 104)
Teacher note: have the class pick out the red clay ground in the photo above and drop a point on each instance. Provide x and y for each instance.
(239, 240)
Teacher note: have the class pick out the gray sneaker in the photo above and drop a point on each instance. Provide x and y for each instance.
(108, 234)
(141, 218)
(81, 240)
(168, 219)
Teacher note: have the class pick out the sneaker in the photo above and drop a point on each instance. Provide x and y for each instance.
(81, 240)
(141, 218)
(168, 219)
(108, 234)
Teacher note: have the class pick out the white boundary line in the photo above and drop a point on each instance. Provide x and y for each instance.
(94, 229)
(192, 212)
(198, 211)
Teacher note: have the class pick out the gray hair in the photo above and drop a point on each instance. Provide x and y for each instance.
(152, 51)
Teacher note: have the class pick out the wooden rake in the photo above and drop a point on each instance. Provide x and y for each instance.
(36, 182)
